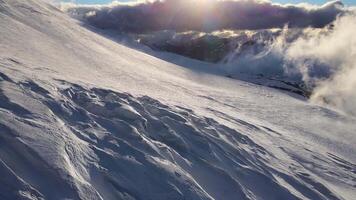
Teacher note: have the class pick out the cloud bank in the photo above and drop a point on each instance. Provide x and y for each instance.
(203, 15)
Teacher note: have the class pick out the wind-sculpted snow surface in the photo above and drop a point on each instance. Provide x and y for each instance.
(81, 143)
(83, 117)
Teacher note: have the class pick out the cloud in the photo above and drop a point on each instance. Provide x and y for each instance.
(203, 15)
(324, 59)
(336, 53)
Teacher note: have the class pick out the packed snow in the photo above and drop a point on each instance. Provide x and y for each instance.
(83, 117)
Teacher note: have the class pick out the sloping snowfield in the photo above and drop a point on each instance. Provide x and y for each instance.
(82, 117)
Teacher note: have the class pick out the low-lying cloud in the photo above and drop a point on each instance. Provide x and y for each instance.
(204, 15)
(324, 59)
(336, 52)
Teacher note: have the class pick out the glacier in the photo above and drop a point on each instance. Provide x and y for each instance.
(84, 117)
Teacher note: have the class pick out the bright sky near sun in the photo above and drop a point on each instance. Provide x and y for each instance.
(347, 2)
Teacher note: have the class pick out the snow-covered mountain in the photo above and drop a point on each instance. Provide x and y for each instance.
(211, 47)
(83, 117)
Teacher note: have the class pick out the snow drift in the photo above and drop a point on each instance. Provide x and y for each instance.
(82, 117)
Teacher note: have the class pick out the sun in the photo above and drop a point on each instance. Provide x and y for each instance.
(203, 3)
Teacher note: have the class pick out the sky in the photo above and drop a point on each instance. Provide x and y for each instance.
(347, 2)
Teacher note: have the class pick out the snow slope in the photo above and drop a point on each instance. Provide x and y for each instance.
(82, 117)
